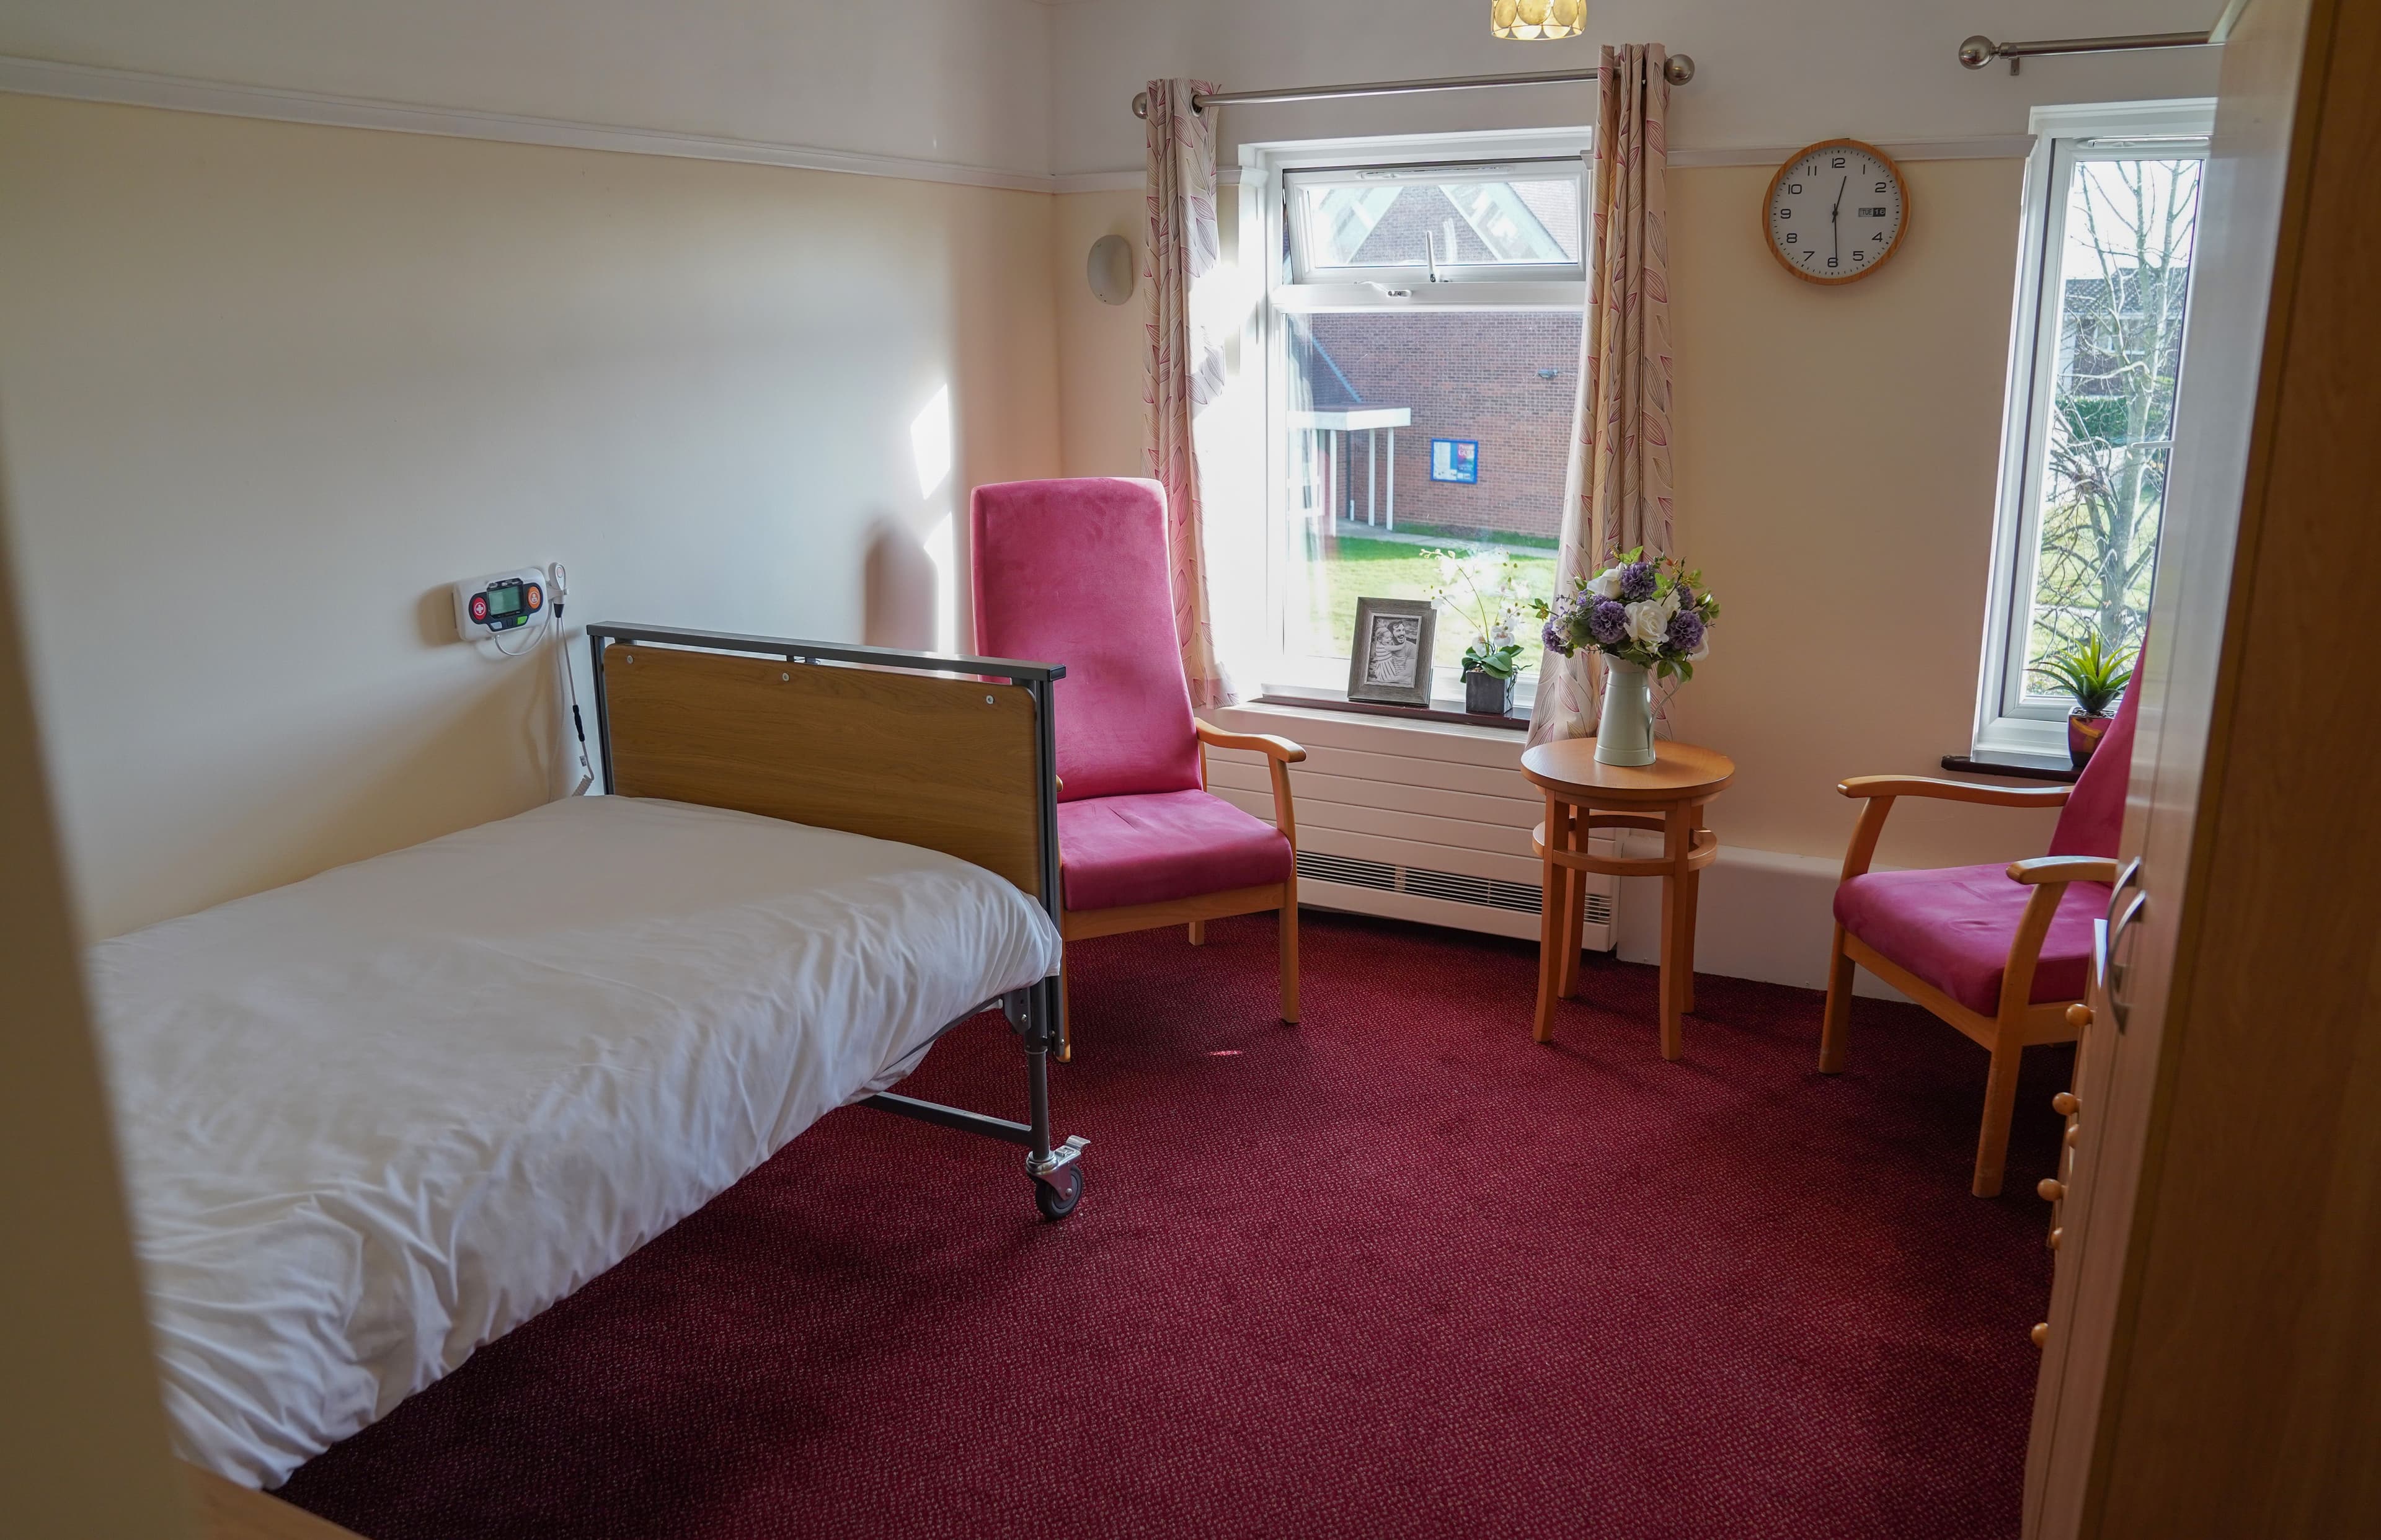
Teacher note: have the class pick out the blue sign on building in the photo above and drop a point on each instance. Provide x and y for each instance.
(1455, 459)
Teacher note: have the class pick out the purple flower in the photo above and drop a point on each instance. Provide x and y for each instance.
(1686, 631)
(1608, 622)
(1636, 582)
(1556, 636)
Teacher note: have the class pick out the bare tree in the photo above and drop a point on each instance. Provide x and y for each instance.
(2125, 279)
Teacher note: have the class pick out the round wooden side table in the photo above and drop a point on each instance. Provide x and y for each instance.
(1666, 797)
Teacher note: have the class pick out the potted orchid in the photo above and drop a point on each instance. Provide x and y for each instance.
(1650, 619)
(1482, 589)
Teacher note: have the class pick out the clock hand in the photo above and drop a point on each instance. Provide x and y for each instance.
(1835, 220)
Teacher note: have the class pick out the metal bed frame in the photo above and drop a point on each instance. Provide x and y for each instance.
(1031, 1012)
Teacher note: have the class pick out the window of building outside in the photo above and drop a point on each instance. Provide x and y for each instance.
(1424, 348)
(2112, 215)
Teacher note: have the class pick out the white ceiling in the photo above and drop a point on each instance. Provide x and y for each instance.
(1042, 86)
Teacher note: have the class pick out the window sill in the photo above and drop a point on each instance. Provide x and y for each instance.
(1509, 722)
(1969, 765)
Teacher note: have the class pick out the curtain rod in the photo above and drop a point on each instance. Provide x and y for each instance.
(1680, 69)
(1979, 51)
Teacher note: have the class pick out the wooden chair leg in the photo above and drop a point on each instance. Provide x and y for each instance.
(1065, 1028)
(1836, 1025)
(1290, 960)
(1198, 932)
(2000, 1102)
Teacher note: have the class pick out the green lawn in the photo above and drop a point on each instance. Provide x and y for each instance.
(1355, 567)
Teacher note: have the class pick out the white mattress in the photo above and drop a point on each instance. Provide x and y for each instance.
(378, 1118)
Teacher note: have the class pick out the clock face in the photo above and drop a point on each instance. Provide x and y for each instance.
(1837, 212)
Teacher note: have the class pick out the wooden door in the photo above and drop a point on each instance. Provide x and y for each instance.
(2214, 1360)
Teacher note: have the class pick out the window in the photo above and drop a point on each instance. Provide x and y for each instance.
(1421, 328)
(2112, 217)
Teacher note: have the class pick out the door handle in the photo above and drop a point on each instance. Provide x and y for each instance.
(2125, 903)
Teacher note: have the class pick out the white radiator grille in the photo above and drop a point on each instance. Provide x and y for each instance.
(1454, 887)
(1350, 871)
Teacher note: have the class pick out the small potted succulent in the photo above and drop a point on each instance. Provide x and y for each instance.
(2095, 676)
(1482, 589)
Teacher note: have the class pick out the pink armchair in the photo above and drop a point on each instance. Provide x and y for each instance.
(1076, 573)
(1999, 953)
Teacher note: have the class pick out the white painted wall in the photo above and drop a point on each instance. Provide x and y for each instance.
(962, 81)
(268, 389)
(1770, 72)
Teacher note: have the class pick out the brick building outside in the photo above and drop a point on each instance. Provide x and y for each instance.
(1481, 375)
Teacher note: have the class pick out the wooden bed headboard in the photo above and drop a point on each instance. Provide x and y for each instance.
(952, 753)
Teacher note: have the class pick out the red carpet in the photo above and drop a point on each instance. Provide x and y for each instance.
(1396, 1272)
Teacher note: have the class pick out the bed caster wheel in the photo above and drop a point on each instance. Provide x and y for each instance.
(1057, 1195)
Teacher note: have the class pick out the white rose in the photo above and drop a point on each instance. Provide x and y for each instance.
(1649, 622)
(1606, 584)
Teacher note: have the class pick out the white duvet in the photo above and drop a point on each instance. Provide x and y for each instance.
(378, 1118)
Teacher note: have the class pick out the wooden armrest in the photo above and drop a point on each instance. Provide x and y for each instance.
(1267, 744)
(1953, 791)
(2042, 869)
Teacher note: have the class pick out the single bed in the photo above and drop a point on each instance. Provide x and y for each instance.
(376, 1118)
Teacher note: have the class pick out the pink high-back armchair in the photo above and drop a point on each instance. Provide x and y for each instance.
(1076, 573)
(1999, 952)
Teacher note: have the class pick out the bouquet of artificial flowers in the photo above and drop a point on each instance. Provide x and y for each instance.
(1654, 614)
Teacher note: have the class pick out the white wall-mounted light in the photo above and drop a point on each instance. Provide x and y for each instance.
(1109, 270)
(1536, 20)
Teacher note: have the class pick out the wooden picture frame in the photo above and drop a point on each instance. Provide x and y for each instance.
(1388, 664)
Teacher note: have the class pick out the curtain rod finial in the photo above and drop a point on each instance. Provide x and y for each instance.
(1140, 104)
(1978, 52)
(1680, 69)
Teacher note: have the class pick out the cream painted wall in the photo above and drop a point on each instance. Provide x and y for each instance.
(1836, 456)
(1837, 451)
(270, 388)
(1100, 346)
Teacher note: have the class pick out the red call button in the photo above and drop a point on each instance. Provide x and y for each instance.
(533, 595)
(478, 606)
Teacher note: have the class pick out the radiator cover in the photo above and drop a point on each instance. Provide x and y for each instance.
(1419, 821)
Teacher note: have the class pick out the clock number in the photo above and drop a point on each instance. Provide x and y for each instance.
(1785, 214)
(1878, 238)
(1838, 163)
(1860, 256)
(1794, 188)
(1831, 261)
(1793, 237)
(1881, 187)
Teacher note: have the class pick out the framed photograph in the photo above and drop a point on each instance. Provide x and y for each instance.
(1455, 459)
(1390, 661)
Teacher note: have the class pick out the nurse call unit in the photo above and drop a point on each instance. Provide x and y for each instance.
(503, 602)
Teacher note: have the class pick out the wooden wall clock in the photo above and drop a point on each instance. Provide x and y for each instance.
(1837, 212)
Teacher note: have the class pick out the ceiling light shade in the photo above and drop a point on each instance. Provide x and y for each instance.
(1536, 20)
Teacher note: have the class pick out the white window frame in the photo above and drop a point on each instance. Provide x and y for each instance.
(2008, 728)
(1264, 170)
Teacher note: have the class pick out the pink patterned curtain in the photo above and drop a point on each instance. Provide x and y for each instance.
(1184, 366)
(1618, 493)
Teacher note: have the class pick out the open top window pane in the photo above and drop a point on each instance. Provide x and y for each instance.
(1492, 221)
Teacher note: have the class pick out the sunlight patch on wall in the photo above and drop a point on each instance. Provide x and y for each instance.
(930, 442)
